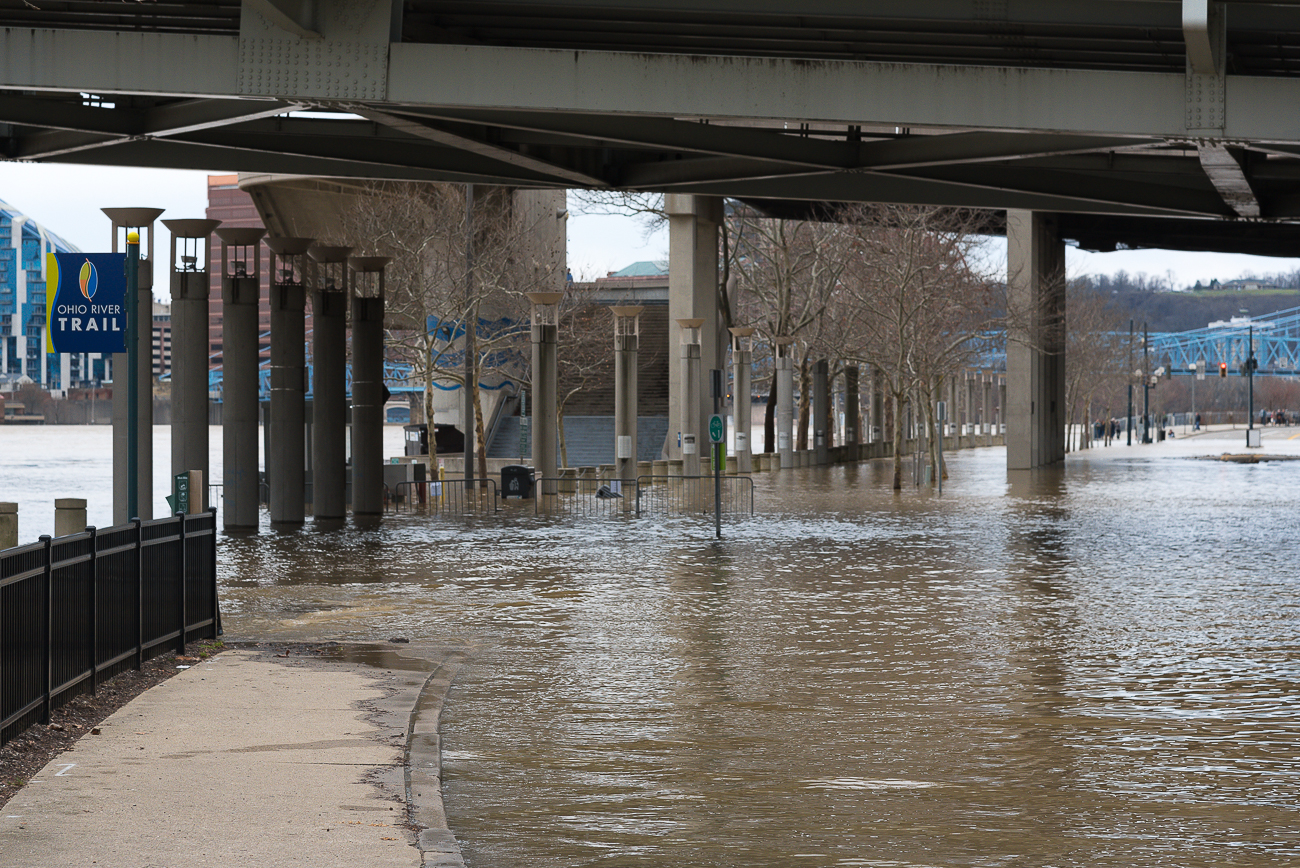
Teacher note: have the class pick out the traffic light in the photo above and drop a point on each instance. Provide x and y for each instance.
(1223, 369)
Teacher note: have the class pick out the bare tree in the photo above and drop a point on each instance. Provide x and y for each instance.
(919, 300)
(456, 283)
(1095, 354)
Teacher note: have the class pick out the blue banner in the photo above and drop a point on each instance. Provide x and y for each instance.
(85, 302)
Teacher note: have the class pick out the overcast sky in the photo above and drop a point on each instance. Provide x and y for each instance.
(66, 200)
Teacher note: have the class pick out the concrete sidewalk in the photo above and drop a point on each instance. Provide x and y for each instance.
(251, 759)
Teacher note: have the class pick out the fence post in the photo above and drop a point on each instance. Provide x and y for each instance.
(184, 580)
(94, 609)
(49, 625)
(139, 594)
(212, 577)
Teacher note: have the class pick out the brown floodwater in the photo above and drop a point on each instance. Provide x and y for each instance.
(1094, 667)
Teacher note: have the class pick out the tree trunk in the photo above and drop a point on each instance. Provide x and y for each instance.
(480, 446)
(897, 432)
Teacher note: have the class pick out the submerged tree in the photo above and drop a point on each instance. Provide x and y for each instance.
(918, 302)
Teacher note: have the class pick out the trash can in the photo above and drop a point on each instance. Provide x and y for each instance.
(517, 481)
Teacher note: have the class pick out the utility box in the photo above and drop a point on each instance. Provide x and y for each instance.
(517, 481)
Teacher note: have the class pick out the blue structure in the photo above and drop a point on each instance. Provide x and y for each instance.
(23, 245)
(1277, 345)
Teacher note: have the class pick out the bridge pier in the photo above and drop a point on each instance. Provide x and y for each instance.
(368, 386)
(189, 285)
(240, 293)
(286, 463)
(693, 223)
(329, 304)
(1035, 409)
(821, 411)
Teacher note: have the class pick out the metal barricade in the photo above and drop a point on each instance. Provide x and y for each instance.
(566, 496)
(693, 495)
(447, 497)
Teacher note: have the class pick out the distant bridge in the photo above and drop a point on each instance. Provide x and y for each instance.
(1276, 339)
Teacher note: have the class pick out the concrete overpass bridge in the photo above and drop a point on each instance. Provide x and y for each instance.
(1106, 123)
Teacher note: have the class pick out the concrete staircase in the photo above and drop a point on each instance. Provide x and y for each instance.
(589, 414)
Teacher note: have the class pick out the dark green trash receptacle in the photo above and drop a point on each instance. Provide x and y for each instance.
(517, 481)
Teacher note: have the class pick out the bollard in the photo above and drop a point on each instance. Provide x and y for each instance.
(69, 516)
(8, 525)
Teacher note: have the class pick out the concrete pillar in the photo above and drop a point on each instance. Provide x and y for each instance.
(689, 390)
(329, 312)
(546, 414)
(742, 361)
(1036, 341)
(69, 515)
(999, 414)
(821, 411)
(986, 408)
(785, 401)
(627, 336)
(189, 284)
(368, 385)
(8, 525)
(693, 223)
(852, 407)
(286, 462)
(241, 267)
(877, 404)
(140, 220)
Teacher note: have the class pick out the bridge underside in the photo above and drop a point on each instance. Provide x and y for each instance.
(1161, 123)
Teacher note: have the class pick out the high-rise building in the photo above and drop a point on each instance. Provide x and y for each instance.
(23, 246)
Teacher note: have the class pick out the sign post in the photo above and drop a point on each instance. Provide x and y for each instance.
(716, 430)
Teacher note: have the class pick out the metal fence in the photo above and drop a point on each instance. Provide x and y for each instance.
(446, 497)
(77, 609)
(644, 496)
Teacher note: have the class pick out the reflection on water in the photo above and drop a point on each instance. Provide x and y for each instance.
(1089, 668)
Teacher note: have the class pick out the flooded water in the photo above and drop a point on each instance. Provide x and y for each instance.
(1095, 667)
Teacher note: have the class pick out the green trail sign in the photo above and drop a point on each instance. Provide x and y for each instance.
(716, 428)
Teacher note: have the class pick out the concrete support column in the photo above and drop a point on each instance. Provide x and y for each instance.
(141, 220)
(784, 401)
(286, 463)
(546, 414)
(191, 241)
(241, 290)
(852, 407)
(877, 405)
(1036, 342)
(627, 336)
(693, 223)
(986, 419)
(690, 410)
(821, 411)
(329, 411)
(368, 385)
(742, 361)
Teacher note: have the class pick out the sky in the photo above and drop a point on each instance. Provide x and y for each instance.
(66, 200)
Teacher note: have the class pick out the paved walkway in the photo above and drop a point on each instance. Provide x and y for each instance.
(249, 759)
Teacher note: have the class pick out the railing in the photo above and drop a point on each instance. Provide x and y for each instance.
(643, 496)
(693, 495)
(583, 496)
(446, 497)
(77, 609)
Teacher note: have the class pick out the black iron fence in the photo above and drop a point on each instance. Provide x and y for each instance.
(77, 609)
(446, 497)
(644, 496)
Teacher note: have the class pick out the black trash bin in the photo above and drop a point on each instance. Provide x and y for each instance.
(517, 481)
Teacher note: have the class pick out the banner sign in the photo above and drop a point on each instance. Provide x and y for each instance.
(85, 302)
